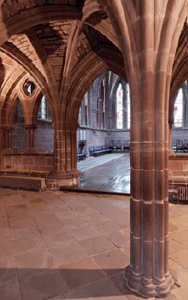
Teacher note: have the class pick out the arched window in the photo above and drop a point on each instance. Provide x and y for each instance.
(128, 108)
(119, 107)
(44, 133)
(178, 110)
(43, 108)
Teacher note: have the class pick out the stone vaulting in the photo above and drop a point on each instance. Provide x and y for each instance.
(62, 46)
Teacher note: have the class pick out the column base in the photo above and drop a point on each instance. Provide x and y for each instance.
(148, 288)
(66, 179)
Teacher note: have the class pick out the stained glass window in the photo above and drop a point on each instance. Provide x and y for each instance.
(128, 108)
(119, 107)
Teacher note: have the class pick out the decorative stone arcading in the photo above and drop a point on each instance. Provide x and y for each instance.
(30, 131)
(6, 137)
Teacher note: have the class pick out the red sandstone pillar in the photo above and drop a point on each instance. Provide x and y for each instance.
(71, 151)
(148, 272)
(71, 147)
(1, 146)
(74, 150)
(65, 154)
(59, 150)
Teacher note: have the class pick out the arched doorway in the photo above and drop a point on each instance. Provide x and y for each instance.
(103, 136)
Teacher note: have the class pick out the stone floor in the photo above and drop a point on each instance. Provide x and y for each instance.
(92, 162)
(108, 173)
(56, 245)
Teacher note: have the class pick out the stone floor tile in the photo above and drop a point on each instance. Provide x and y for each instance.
(121, 204)
(73, 223)
(120, 239)
(21, 222)
(10, 290)
(17, 211)
(175, 247)
(31, 261)
(97, 218)
(58, 297)
(37, 206)
(180, 236)
(42, 285)
(118, 281)
(107, 227)
(30, 244)
(84, 210)
(3, 222)
(24, 233)
(181, 257)
(45, 238)
(81, 273)
(180, 293)
(102, 290)
(104, 177)
(5, 235)
(172, 227)
(65, 214)
(57, 239)
(112, 262)
(6, 251)
(8, 270)
(49, 223)
(97, 245)
(67, 254)
(85, 231)
(179, 273)
(14, 200)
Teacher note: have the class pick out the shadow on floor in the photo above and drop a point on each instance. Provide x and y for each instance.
(62, 283)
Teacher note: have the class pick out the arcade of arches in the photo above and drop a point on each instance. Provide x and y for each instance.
(52, 54)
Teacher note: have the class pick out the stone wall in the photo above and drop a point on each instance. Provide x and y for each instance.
(94, 137)
(179, 134)
(119, 135)
(34, 161)
(44, 137)
(178, 162)
(19, 136)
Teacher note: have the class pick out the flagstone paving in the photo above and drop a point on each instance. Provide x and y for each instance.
(107, 173)
(56, 245)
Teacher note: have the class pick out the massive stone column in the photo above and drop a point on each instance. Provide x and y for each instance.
(71, 150)
(148, 33)
(59, 150)
(65, 162)
(1, 146)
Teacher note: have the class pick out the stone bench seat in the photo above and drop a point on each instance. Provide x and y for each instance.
(178, 180)
(25, 171)
(178, 186)
(178, 177)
